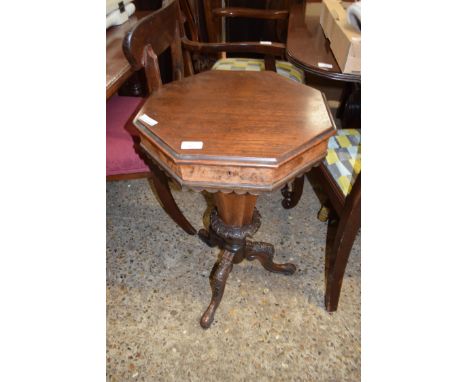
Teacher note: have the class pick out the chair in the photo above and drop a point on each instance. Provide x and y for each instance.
(123, 161)
(339, 176)
(213, 14)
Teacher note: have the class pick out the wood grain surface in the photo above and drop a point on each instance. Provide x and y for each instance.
(307, 45)
(258, 129)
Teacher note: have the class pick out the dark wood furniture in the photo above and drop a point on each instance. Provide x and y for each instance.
(241, 29)
(343, 213)
(118, 70)
(344, 222)
(308, 48)
(206, 54)
(267, 132)
(124, 134)
(148, 5)
(196, 51)
(214, 13)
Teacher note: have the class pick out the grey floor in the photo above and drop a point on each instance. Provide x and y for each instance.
(269, 327)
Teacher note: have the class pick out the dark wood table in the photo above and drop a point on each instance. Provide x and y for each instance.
(307, 46)
(118, 70)
(258, 132)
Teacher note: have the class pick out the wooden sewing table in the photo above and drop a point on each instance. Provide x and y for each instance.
(259, 131)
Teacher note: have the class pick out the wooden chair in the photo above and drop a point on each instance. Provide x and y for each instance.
(270, 50)
(339, 177)
(123, 159)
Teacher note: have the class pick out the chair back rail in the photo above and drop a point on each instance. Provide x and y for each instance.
(213, 15)
(153, 35)
(277, 11)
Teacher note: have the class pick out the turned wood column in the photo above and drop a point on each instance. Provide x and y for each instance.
(235, 210)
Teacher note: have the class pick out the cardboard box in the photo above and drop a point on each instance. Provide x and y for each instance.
(345, 41)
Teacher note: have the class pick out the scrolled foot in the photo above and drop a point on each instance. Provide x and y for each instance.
(287, 202)
(285, 191)
(219, 277)
(264, 253)
(292, 197)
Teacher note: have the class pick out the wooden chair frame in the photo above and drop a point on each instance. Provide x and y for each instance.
(343, 224)
(213, 14)
(141, 46)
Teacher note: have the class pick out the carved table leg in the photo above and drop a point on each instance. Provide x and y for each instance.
(264, 252)
(219, 277)
(231, 222)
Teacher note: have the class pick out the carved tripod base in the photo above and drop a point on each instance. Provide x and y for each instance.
(235, 248)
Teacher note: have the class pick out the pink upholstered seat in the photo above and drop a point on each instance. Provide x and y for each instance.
(121, 158)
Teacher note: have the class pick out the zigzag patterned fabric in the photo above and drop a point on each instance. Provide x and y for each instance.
(284, 68)
(343, 160)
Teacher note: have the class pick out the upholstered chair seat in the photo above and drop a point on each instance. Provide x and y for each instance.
(283, 68)
(343, 160)
(121, 157)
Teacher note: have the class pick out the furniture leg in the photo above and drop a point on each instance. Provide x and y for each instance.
(219, 277)
(292, 197)
(161, 186)
(349, 110)
(233, 219)
(234, 211)
(346, 92)
(264, 252)
(346, 231)
(351, 118)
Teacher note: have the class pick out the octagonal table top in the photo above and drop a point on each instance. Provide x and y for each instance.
(259, 130)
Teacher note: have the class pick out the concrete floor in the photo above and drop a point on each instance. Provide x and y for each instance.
(269, 327)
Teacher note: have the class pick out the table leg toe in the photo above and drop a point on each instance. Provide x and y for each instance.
(219, 277)
(264, 253)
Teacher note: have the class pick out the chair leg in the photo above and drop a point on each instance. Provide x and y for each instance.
(346, 92)
(291, 198)
(346, 231)
(161, 186)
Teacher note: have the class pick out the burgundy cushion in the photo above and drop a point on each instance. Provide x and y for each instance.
(121, 157)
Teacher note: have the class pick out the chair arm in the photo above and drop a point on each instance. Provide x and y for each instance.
(273, 49)
(267, 14)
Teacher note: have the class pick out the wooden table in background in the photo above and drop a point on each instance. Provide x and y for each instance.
(307, 45)
(118, 70)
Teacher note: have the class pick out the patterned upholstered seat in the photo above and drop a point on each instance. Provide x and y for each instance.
(283, 68)
(343, 160)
